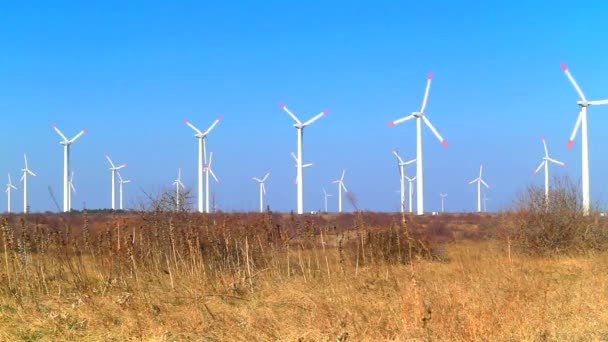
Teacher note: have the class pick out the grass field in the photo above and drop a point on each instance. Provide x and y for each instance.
(172, 277)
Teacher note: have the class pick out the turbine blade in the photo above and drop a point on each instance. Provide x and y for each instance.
(307, 165)
(539, 167)
(193, 127)
(31, 173)
(410, 161)
(219, 118)
(265, 177)
(59, 132)
(294, 157)
(324, 192)
(426, 92)
(316, 117)
(398, 157)
(555, 161)
(25, 158)
(545, 145)
(403, 119)
(578, 89)
(121, 166)
(480, 170)
(256, 179)
(343, 187)
(473, 181)
(575, 130)
(78, 135)
(111, 163)
(343, 173)
(210, 159)
(432, 128)
(598, 102)
(295, 118)
(263, 189)
(213, 175)
(484, 183)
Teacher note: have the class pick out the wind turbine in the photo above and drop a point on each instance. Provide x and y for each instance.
(262, 190)
(300, 136)
(202, 157)
(66, 163)
(545, 164)
(325, 196)
(114, 169)
(208, 171)
(411, 189)
(479, 181)
(26, 171)
(581, 122)
(420, 117)
(297, 164)
(9, 187)
(120, 183)
(402, 165)
(178, 184)
(341, 187)
(72, 189)
(443, 196)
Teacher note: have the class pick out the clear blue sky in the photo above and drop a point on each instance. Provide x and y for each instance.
(132, 71)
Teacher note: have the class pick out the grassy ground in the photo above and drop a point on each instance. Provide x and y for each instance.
(480, 290)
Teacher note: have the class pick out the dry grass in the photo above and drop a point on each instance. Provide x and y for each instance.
(256, 278)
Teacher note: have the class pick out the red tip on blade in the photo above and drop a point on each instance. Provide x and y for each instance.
(53, 125)
(542, 137)
(444, 143)
(570, 142)
(564, 67)
(85, 130)
(430, 75)
(325, 111)
(391, 124)
(186, 122)
(565, 164)
(282, 105)
(219, 118)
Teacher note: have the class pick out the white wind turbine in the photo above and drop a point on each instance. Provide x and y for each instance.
(120, 184)
(262, 190)
(479, 181)
(402, 176)
(9, 188)
(582, 123)
(208, 170)
(411, 189)
(443, 196)
(300, 136)
(178, 184)
(325, 196)
(114, 169)
(421, 116)
(545, 164)
(66, 163)
(341, 187)
(202, 159)
(72, 190)
(26, 171)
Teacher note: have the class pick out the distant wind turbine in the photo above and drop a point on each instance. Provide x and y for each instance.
(300, 136)
(420, 117)
(208, 170)
(114, 169)
(178, 184)
(545, 164)
(402, 176)
(9, 188)
(479, 181)
(26, 171)
(262, 190)
(202, 159)
(325, 196)
(443, 196)
(341, 187)
(411, 189)
(581, 122)
(66, 163)
(120, 184)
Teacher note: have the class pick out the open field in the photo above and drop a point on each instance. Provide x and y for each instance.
(171, 277)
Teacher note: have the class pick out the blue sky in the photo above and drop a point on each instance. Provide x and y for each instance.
(131, 72)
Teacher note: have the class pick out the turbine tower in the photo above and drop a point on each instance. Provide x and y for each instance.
(443, 196)
(66, 163)
(341, 187)
(262, 190)
(72, 190)
(26, 171)
(581, 122)
(120, 184)
(420, 117)
(114, 169)
(545, 164)
(178, 184)
(402, 165)
(411, 189)
(202, 157)
(300, 136)
(208, 170)
(479, 181)
(9, 188)
(325, 196)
